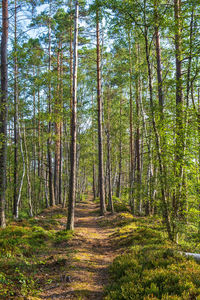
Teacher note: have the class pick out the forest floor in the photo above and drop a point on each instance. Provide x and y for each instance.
(88, 255)
(40, 259)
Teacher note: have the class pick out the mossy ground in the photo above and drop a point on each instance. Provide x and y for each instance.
(26, 249)
(151, 267)
(40, 260)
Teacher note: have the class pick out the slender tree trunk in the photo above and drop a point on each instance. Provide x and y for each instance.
(165, 210)
(57, 131)
(3, 112)
(158, 59)
(23, 174)
(60, 196)
(131, 197)
(16, 120)
(179, 134)
(71, 55)
(137, 144)
(28, 176)
(73, 150)
(110, 201)
(118, 192)
(49, 141)
(100, 120)
(94, 166)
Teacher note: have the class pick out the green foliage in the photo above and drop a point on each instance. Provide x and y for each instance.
(63, 236)
(120, 204)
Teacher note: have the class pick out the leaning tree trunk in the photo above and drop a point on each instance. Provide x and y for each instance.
(100, 120)
(3, 111)
(73, 150)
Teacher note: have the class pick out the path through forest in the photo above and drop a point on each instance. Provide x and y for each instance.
(90, 254)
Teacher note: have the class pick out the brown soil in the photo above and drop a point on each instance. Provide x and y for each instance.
(84, 262)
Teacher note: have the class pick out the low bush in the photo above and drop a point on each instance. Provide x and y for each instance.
(120, 204)
(152, 267)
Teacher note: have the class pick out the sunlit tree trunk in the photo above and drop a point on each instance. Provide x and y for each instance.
(118, 192)
(57, 113)
(73, 150)
(165, 209)
(49, 141)
(16, 120)
(100, 120)
(137, 138)
(3, 111)
(179, 134)
(110, 201)
(131, 177)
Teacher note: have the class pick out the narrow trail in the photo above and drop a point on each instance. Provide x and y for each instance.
(91, 252)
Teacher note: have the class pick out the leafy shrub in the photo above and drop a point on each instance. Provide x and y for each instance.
(120, 205)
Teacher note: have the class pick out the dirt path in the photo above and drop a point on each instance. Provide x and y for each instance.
(90, 255)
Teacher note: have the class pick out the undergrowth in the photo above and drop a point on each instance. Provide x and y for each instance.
(151, 267)
(24, 250)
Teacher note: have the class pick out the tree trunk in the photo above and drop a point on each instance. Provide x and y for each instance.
(110, 201)
(179, 134)
(100, 120)
(57, 112)
(49, 141)
(60, 196)
(73, 150)
(137, 144)
(131, 197)
(165, 210)
(16, 120)
(118, 192)
(28, 176)
(3, 111)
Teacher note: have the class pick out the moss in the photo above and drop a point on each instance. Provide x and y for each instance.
(21, 246)
(152, 268)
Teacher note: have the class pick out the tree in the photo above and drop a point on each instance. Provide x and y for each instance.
(100, 118)
(3, 115)
(73, 149)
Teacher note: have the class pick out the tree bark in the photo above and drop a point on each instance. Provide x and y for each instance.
(100, 120)
(57, 112)
(73, 150)
(16, 120)
(49, 142)
(131, 197)
(3, 111)
(165, 209)
(110, 201)
(179, 134)
(118, 192)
